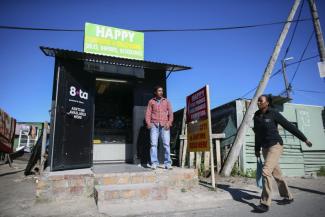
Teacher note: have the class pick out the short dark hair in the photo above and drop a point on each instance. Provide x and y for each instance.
(156, 88)
(268, 98)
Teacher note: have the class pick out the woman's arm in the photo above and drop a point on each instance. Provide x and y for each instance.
(290, 127)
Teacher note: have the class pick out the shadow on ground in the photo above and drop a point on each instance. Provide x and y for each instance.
(240, 195)
(307, 190)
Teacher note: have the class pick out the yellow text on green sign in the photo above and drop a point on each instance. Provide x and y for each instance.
(112, 41)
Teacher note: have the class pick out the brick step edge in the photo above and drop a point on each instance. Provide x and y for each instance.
(176, 177)
(130, 192)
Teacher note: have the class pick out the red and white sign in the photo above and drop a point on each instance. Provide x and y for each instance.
(198, 121)
(197, 106)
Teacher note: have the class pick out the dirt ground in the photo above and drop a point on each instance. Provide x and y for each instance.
(233, 196)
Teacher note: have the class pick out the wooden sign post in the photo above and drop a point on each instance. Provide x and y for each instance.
(198, 118)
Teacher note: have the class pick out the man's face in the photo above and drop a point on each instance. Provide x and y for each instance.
(159, 92)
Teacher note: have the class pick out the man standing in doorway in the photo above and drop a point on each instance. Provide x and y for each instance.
(159, 119)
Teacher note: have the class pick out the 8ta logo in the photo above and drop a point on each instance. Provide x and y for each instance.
(80, 93)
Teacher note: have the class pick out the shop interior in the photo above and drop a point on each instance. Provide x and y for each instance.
(113, 120)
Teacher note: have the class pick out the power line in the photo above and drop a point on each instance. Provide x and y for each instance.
(293, 63)
(279, 70)
(294, 30)
(311, 91)
(301, 57)
(159, 30)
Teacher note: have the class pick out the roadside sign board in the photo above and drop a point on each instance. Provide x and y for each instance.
(196, 105)
(110, 41)
(198, 121)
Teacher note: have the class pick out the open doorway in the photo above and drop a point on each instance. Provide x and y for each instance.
(113, 121)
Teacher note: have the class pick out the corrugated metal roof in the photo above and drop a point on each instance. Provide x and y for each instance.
(70, 54)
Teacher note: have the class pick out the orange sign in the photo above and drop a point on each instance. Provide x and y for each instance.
(198, 136)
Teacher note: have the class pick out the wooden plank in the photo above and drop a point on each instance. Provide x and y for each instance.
(44, 138)
(198, 160)
(218, 155)
(218, 135)
(206, 160)
(184, 144)
(211, 144)
(191, 161)
(182, 137)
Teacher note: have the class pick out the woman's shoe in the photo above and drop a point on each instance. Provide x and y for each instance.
(261, 208)
(285, 201)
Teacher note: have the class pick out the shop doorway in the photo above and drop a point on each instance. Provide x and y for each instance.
(112, 139)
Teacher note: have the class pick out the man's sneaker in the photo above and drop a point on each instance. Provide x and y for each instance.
(168, 167)
(261, 208)
(285, 201)
(154, 166)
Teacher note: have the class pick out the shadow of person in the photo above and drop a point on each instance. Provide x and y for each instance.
(281, 202)
(241, 195)
(143, 145)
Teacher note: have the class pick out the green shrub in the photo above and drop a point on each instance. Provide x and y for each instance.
(321, 172)
(235, 170)
(250, 173)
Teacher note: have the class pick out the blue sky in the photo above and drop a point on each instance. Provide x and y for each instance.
(231, 62)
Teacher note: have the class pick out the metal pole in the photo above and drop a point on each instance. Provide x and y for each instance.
(318, 30)
(240, 137)
(286, 83)
(44, 138)
(213, 178)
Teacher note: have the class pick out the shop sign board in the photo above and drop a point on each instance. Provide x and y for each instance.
(77, 103)
(110, 41)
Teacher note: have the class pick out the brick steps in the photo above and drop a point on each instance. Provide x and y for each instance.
(176, 178)
(64, 185)
(142, 191)
(115, 188)
(125, 178)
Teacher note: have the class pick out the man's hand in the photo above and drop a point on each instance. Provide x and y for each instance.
(308, 143)
(257, 154)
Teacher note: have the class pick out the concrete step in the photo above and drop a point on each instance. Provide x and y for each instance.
(125, 178)
(104, 194)
(178, 177)
(52, 186)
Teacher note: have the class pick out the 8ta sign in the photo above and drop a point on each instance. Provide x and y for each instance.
(80, 93)
(77, 103)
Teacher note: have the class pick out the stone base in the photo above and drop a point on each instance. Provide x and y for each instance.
(107, 188)
(64, 185)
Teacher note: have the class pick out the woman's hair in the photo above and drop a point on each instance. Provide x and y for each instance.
(268, 98)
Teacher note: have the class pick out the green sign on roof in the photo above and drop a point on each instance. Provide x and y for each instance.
(112, 41)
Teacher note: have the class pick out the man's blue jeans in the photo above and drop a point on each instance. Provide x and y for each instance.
(155, 132)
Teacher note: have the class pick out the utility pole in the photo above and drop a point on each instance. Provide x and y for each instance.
(240, 137)
(286, 83)
(319, 37)
(318, 30)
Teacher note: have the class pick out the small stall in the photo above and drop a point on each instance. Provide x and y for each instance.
(98, 107)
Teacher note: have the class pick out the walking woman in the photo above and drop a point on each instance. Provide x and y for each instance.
(268, 139)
